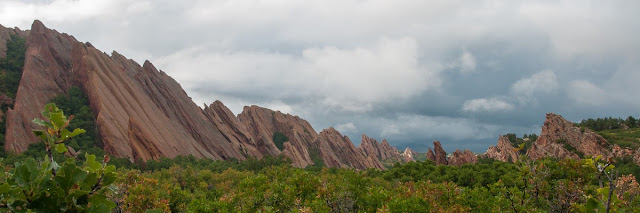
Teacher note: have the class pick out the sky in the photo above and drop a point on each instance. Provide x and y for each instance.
(461, 72)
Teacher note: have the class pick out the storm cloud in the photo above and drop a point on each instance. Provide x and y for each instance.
(462, 72)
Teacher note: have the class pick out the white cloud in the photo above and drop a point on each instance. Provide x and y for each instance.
(467, 62)
(578, 28)
(544, 81)
(340, 79)
(583, 92)
(347, 128)
(486, 105)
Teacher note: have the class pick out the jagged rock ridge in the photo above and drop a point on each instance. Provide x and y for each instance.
(144, 114)
(457, 158)
(559, 135)
(504, 151)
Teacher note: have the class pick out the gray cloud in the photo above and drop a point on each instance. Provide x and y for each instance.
(411, 71)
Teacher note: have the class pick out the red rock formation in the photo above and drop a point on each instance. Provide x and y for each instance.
(5, 36)
(232, 129)
(381, 151)
(335, 149)
(431, 156)
(504, 151)
(346, 152)
(458, 158)
(262, 123)
(129, 120)
(557, 132)
(389, 153)
(440, 154)
(142, 113)
(408, 155)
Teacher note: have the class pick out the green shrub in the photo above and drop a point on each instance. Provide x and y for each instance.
(45, 186)
(279, 139)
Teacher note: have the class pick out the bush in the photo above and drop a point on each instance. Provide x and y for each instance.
(45, 186)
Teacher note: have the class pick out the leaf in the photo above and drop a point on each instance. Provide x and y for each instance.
(69, 176)
(42, 123)
(99, 203)
(77, 131)
(64, 135)
(47, 109)
(91, 163)
(154, 211)
(61, 148)
(58, 119)
(41, 134)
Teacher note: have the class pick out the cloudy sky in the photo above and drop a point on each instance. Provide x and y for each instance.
(462, 72)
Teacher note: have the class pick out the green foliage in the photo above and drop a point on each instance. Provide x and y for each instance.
(77, 103)
(11, 66)
(527, 140)
(314, 153)
(279, 139)
(609, 123)
(48, 187)
(624, 138)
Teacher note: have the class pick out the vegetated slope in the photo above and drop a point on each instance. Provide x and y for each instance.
(143, 114)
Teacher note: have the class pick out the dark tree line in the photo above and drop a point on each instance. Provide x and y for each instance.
(609, 123)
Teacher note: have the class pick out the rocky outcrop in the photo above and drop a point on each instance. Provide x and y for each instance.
(389, 153)
(408, 155)
(381, 151)
(346, 152)
(5, 36)
(439, 154)
(334, 149)
(503, 151)
(232, 129)
(431, 156)
(560, 138)
(462, 157)
(262, 123)
(129, 114)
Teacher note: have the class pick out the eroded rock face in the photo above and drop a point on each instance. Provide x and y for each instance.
(381, 151)
(558, 133)
(503, 151)
(262, 123)
(431, 156)
(128, 115)
(347, 153)
(462, 157)
(440, 155)
(5, 36)
(389, 153)
(408, 155)
(232, 129)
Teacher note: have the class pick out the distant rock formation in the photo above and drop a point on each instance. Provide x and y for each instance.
(431, 156)
(408, 155)
(381, 151)
(462, 157)
(560, 138)
(440, 155)
(504, 151)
